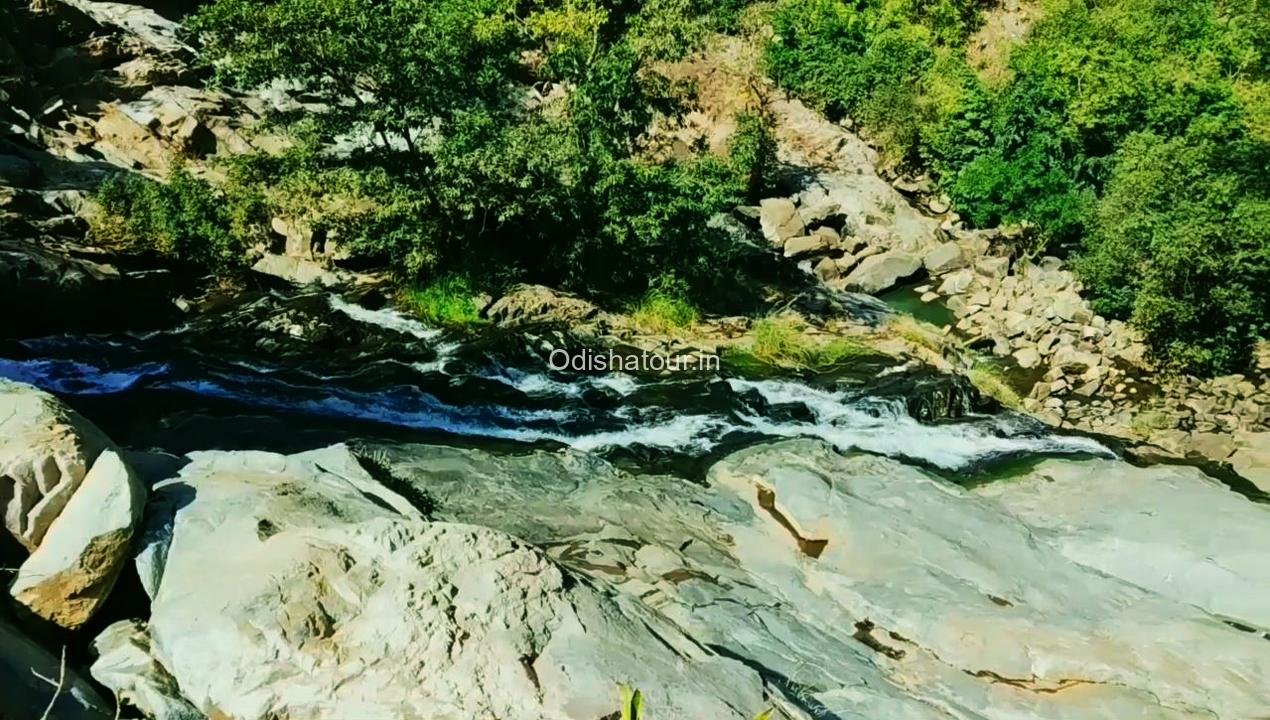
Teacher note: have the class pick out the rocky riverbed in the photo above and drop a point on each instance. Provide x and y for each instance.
(282, 497)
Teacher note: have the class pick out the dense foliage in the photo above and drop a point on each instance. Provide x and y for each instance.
(489, 139)
(1131, 133)
(185, 218)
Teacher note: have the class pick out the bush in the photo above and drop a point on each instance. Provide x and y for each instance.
(1180, 244)
(184, 218)
(1131, 131)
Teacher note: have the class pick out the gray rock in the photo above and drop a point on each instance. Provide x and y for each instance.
(24, 695)
(533, 304)
(993, 267)
(126, 665)
(881, 272)
(808, 245)
(1027, 357)
(780, 221)
(957, 282)
(945, 257)
(346, 603)
(881, 591)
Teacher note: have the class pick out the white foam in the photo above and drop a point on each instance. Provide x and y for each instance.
(884, 427)
(385, 318)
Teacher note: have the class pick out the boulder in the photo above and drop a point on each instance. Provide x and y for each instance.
(817, 243)
(957, 282)
(534, 304)
(945, 257)
(345, 603)
(25, 695)
(1251, 458)
(302, 270)
(125, 664)
(780, 221)
(45, 452)
(1027, 357)
(827, 269)
(993, 268)
(1071, 360)
(818, 213)
(73, 570)
(881, 272)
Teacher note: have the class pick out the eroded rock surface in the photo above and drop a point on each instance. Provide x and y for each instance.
(70, 500)
(299, 585)
(865, 588)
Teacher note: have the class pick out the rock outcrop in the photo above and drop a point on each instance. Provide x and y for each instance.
(862, 587)
(70, 500)
(300, 585)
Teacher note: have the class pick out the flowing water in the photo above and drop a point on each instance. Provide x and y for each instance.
(280, 371)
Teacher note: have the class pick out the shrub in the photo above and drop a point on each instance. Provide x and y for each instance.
(1180, 245)
(184, 218)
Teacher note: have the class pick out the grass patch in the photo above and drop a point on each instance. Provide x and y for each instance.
(663, 313)
(991, 381)
(921, 334)
(448, 301)
(1150, 420)
(779, 342)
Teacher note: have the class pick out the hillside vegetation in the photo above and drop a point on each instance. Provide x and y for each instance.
(1131, 133)
(496, 141)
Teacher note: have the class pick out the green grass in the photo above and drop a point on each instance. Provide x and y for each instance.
(448, 301)
(917, 332)
(991, 381)
(779, 342)
(664, 313)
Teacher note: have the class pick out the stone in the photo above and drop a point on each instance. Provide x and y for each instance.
(780, 221)
(23, 695)
(818, 213)
(124, 662)
(957, 282)
(345, 602)
(809, 245)
(993, 268)
(945, 257)
(881, 272)
(1251, 458)
(45, 452)
(70, 575)
(1027, 357)
(1071, 360)
(1214, 446)
(827, 269)
(538, 304)
(302, 270)
(854, 537)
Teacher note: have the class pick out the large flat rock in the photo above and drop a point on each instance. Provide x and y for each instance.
(300, 586)
(865, 588)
